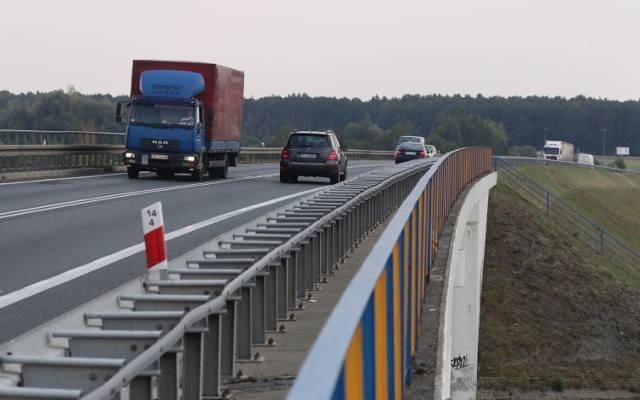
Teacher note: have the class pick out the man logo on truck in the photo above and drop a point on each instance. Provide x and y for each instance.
(166, 90)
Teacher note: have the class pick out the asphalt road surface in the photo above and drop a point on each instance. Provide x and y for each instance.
(66, 241)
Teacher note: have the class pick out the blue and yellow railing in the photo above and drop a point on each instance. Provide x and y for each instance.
(366, 346)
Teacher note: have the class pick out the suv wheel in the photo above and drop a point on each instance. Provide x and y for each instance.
(284, 178)
(335, 178)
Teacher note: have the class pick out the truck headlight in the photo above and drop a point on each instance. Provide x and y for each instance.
(190, 158)
(128, 154)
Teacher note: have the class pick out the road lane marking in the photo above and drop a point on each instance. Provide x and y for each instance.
(89, 200)
(61, 179)
(105, 175)
(57, 280)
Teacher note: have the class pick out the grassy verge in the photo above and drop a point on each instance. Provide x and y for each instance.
(610, 199)
(554, 313)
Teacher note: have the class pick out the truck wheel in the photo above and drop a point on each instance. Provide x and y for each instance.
(335, 178)
(132, 172)
(223, 171)
(196, 175)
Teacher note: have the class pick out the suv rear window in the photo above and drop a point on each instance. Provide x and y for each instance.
(308, 141)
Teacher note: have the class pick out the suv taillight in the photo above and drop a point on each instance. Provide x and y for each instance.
(284, 154)
(422, 154)
(333, 156)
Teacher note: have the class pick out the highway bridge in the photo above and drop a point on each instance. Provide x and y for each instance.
(245, 253)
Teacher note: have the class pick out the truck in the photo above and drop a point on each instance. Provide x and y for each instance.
(557, 150)
(184, 117)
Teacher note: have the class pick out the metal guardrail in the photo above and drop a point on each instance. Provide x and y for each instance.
(184, 333)
(590, 233)
(366, 347)
(29, 150)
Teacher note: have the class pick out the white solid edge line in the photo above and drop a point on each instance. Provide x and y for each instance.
(105, 175)
(57, 280)
(66, 178)
(89, 200)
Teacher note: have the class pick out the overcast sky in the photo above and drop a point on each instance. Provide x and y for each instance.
(351, 48)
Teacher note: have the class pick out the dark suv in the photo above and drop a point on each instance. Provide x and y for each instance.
(312, 153)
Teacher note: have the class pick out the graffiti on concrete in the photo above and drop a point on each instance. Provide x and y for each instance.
(459, 362)
(463, 375)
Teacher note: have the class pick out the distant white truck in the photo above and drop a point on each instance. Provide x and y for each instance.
(557, 150)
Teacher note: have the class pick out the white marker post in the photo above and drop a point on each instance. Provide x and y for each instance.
(154, 243)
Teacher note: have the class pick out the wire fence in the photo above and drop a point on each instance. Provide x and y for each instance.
(587, 231)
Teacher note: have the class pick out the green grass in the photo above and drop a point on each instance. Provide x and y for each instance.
(553, 310)
(632, 163)
(612, 200)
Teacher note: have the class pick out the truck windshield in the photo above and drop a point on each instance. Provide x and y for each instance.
(162, 115)
(551, 150)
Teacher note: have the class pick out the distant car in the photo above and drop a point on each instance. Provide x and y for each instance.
(410, 151)
(313, 153)
(413, 139)
(585, 159)
(431, 150)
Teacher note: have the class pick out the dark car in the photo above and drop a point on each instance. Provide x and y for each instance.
(312, 153)
(410, 151)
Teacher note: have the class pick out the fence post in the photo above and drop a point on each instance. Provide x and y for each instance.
(547, 207)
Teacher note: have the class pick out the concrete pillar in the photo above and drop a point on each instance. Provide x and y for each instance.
(465, 313)
(456, 375)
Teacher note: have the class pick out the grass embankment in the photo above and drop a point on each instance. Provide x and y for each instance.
(610, 199)
(555, 313)
(631, 163)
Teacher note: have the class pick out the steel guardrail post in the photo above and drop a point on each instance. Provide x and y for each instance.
(300, 273)
(259, 312)
(168, 382)
(244, 331)
(315, 257)
(191, 365)
(211, 357)
(228, 339)
(292, 272)
(283, 288)
(308, 264)
(140, 388)
(271, 323)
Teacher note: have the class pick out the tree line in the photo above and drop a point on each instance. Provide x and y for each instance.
(508, 124)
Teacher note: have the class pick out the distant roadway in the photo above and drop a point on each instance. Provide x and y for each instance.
(66, 241)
